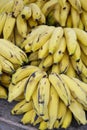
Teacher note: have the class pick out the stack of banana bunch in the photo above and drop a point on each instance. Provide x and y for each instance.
(11, 58)
(57, 49)
(17, 19)
(67, 13)
(49, 100)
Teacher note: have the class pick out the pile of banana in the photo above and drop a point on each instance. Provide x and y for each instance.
(17, 19)
(43, 60)
(50, 100)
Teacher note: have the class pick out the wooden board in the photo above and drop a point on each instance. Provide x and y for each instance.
(9, 122)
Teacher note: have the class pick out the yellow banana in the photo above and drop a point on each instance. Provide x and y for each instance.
(35, 62)
(70, 71)
(21, 26)
(83, 48)
(81, 26)
(64, 11)
(43, 125)
(67, 119)
(3, 17)
(58, 55)
(21, 107)
(61, 88)
(69, 21)
(84, 19)
(62, 3)
(33, 56)
(3, 92)
(32, 23)
(43, 95)
(84, 59)
(56, 68)
(5, 79)
(75, 17)
(71, 40)
(26, 12)
(55, 39)
(48, 61)
(84, 4)
(57, 9)
(53, 107)
(32, 82)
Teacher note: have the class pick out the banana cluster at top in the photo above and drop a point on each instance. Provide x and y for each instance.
(57, 49)
(17, 19)
(49, 100)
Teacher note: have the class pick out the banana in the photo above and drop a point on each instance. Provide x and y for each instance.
(7, 7)
(75, 17)
(58, 55)
(43, 125)
(8, 26)
(81, 26)
(48, 61)
(32, 23)
(34, 116)
(64, 63)
(77, 92)
(48, 6)
(67, 119)
(77, 55)
(84, 4)
(23, 72)
(42, 19)
(61, 88)
(40, 3)
(16, 90)
(43, 95)
(69, 21)
(33, 56)
(6, 65)
(56, 68)
(81, 36)
(77, 110)
(36, 12)
(20, 97)
(83, 58)
(35, 102)
(21, 26)
(76, 4)
(12, 37)
(53, 107)
(3, 92)
(21, 107)
(3, 17)
(71, 40)
(27, 117)
(32, 83)
(70, 71)
(57, 9)
(55, 39)
(18, 7)
(42, 38)
(84, 19)
(84, 48)
(62, 3)
(3, 2)
(1, 70)
(64, 11)
(43, 52)
(35, 62)
(26, 12)
(37, 121)
(28, 1)
(5, 79)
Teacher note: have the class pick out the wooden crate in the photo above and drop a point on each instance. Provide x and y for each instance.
(9, 122)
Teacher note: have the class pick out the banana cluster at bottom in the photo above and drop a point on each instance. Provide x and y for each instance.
(49, 100)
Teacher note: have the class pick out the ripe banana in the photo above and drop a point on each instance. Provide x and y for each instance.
(5, 79)
(55, 68)
(32, 23)
(26, 12)
(84, 19)
(43, 125)
(83, 58)
(32, 82)
(53, 107)
(71, 40)
(58, 55)
(84, 4)
(55, 39)
(69, 21)
(62, 3)
(61, 88)
(9, 26)
(22, 107)
(70, 71)
(3, 92)
(43, 95)
(48, 61)
(33, 56)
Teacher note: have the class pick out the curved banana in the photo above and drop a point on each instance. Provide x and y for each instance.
(55, 39)
(5, 79)
(32, 82)
(21, 107)
(3, 92)
(70, 71)
(58, 55)
(26, 12)
(84, 4)
(43, 125)
(84, 19)
(55, 68)
(62, 3)
(81, 26)
(69, 21)
(48, 61)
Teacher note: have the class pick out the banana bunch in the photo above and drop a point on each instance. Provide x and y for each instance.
(17, 20)
(66, 13)
(50, 100)
(57, 49)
